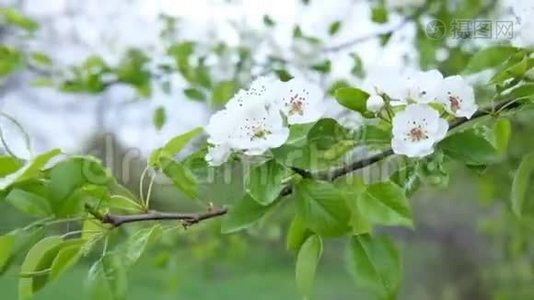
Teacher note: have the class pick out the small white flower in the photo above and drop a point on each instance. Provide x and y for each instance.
(375, 103)
(386, 81)
(218, 154)
(259, 129)
(416, 130)
(263, 89)
(221, 127)
(423, 87)
(458, 97)
(301, 101)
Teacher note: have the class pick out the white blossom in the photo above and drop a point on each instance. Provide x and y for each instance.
(423, 86)
(375, 103)
(386, 81)
(263, 89)
(301, 101)
(218, 154)
(416, 130)
(458, 97)
(259, 128)
(252, 129)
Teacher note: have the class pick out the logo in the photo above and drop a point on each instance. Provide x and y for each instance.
(435, 30)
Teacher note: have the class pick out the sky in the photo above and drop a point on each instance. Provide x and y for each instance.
(72, 30)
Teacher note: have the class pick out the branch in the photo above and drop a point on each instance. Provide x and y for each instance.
(187, 219)
(360, 164)
(193, 218)
(373, 35)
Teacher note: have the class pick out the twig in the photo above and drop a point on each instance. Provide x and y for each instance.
(373, 35)
(186, 218)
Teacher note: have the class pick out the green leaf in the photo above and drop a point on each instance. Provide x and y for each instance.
(244, 213)
(322, 207)
(307, 261)
(139, 241)
(107, 278)
(159, 118)
(334, 28)
(375, 134)
(265, 182)
(24, 240)
(8, 165)
(67, 257)
(283, 75)
(524, 91)
(323, 67)
(223, 92)
(352, 98)
(38, 259)
(195, 94)
(297, 234)
(521, 182)
(384, 203)
(375, 264)
(29, 203)
(172, 147)
(379, 14)
(358, 69)
(7, 242)
(72, 180)
(181, 176)
(502, 131)
(41, 59)
(268, 21)
(474, 146)
(326, 133)
(29, 170)
(16, 18)
(11, 60)
(489, 58)
(353, 188)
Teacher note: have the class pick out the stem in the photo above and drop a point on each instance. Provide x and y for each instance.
(187, 218)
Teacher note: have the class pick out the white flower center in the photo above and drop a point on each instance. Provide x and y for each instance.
(256, 129)
(417, 133)
(297, 102)
(455, 101)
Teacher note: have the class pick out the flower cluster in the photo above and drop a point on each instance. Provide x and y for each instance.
(419, 126)
(257, 119)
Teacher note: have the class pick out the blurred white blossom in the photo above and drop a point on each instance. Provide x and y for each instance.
(416, 130)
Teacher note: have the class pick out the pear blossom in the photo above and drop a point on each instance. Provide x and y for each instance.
(218, 154)
(386, 81)
(264, 89)
(258, 129)
(423, 86)
(458, 97)
(375, 103)
(253, 129)
(416, 130)
(301, 101)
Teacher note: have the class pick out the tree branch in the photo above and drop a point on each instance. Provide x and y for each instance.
(194, 218)
(374, 35)
(360, 164)
(187, 219)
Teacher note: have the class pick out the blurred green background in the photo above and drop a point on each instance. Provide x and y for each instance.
(466, 243)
